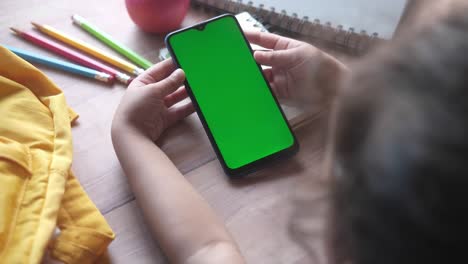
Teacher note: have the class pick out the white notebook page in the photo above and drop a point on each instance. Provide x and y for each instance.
(380, 16)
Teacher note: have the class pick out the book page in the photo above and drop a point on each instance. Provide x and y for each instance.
(380, 16)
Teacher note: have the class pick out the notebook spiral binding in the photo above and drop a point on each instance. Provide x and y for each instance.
(314, 31)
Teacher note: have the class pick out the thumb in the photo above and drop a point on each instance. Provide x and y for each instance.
(170, 84)
(278, 58)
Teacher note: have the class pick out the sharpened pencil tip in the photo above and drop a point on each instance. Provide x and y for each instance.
(36, 25)
(16, 31)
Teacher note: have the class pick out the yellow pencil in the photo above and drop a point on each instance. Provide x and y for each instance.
(81, 45)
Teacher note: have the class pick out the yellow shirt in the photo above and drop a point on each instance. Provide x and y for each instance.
(37, 189)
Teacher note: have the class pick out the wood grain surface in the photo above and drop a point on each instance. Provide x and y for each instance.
(257, 211)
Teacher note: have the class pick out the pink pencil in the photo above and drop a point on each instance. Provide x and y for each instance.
(72, 55)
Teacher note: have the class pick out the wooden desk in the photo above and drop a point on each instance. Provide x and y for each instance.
(256, 211)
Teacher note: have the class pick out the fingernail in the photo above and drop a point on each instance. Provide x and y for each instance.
(256, 55)
(179, 73)
(260, 54)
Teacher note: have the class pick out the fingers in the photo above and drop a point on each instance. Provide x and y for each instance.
(270, 78)
(175, 97)
(263, 39)
(278, 58)
(156, 73)
(273, 84)
(177, 113)
(170, 84)
(268, 74)
(279, 93)
(275, 89)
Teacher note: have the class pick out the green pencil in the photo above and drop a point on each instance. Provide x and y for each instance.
(109, 41)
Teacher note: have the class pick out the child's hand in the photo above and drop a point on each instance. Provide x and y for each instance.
(299, 71)
(147, 108)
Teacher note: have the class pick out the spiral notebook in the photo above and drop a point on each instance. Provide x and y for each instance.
(351, 25)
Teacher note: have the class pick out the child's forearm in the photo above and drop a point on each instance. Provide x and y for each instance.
(185, 226)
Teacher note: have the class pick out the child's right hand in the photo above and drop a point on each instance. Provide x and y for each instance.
(299, 71)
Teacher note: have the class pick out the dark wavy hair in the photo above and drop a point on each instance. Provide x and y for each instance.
(400, 190)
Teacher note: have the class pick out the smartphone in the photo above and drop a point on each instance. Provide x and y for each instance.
(241, 116)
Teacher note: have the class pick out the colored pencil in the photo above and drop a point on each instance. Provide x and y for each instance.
(62, 65)
(72, 55)
(88, 49)
(109, 41)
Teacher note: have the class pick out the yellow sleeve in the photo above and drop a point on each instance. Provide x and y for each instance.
(85, 233)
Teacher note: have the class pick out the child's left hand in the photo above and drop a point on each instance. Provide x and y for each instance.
(147, 108)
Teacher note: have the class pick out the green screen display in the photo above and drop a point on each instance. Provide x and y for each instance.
(238, 106)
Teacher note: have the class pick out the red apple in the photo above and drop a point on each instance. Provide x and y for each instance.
(157, 16)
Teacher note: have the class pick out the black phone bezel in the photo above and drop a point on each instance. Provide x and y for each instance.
(255, 165)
